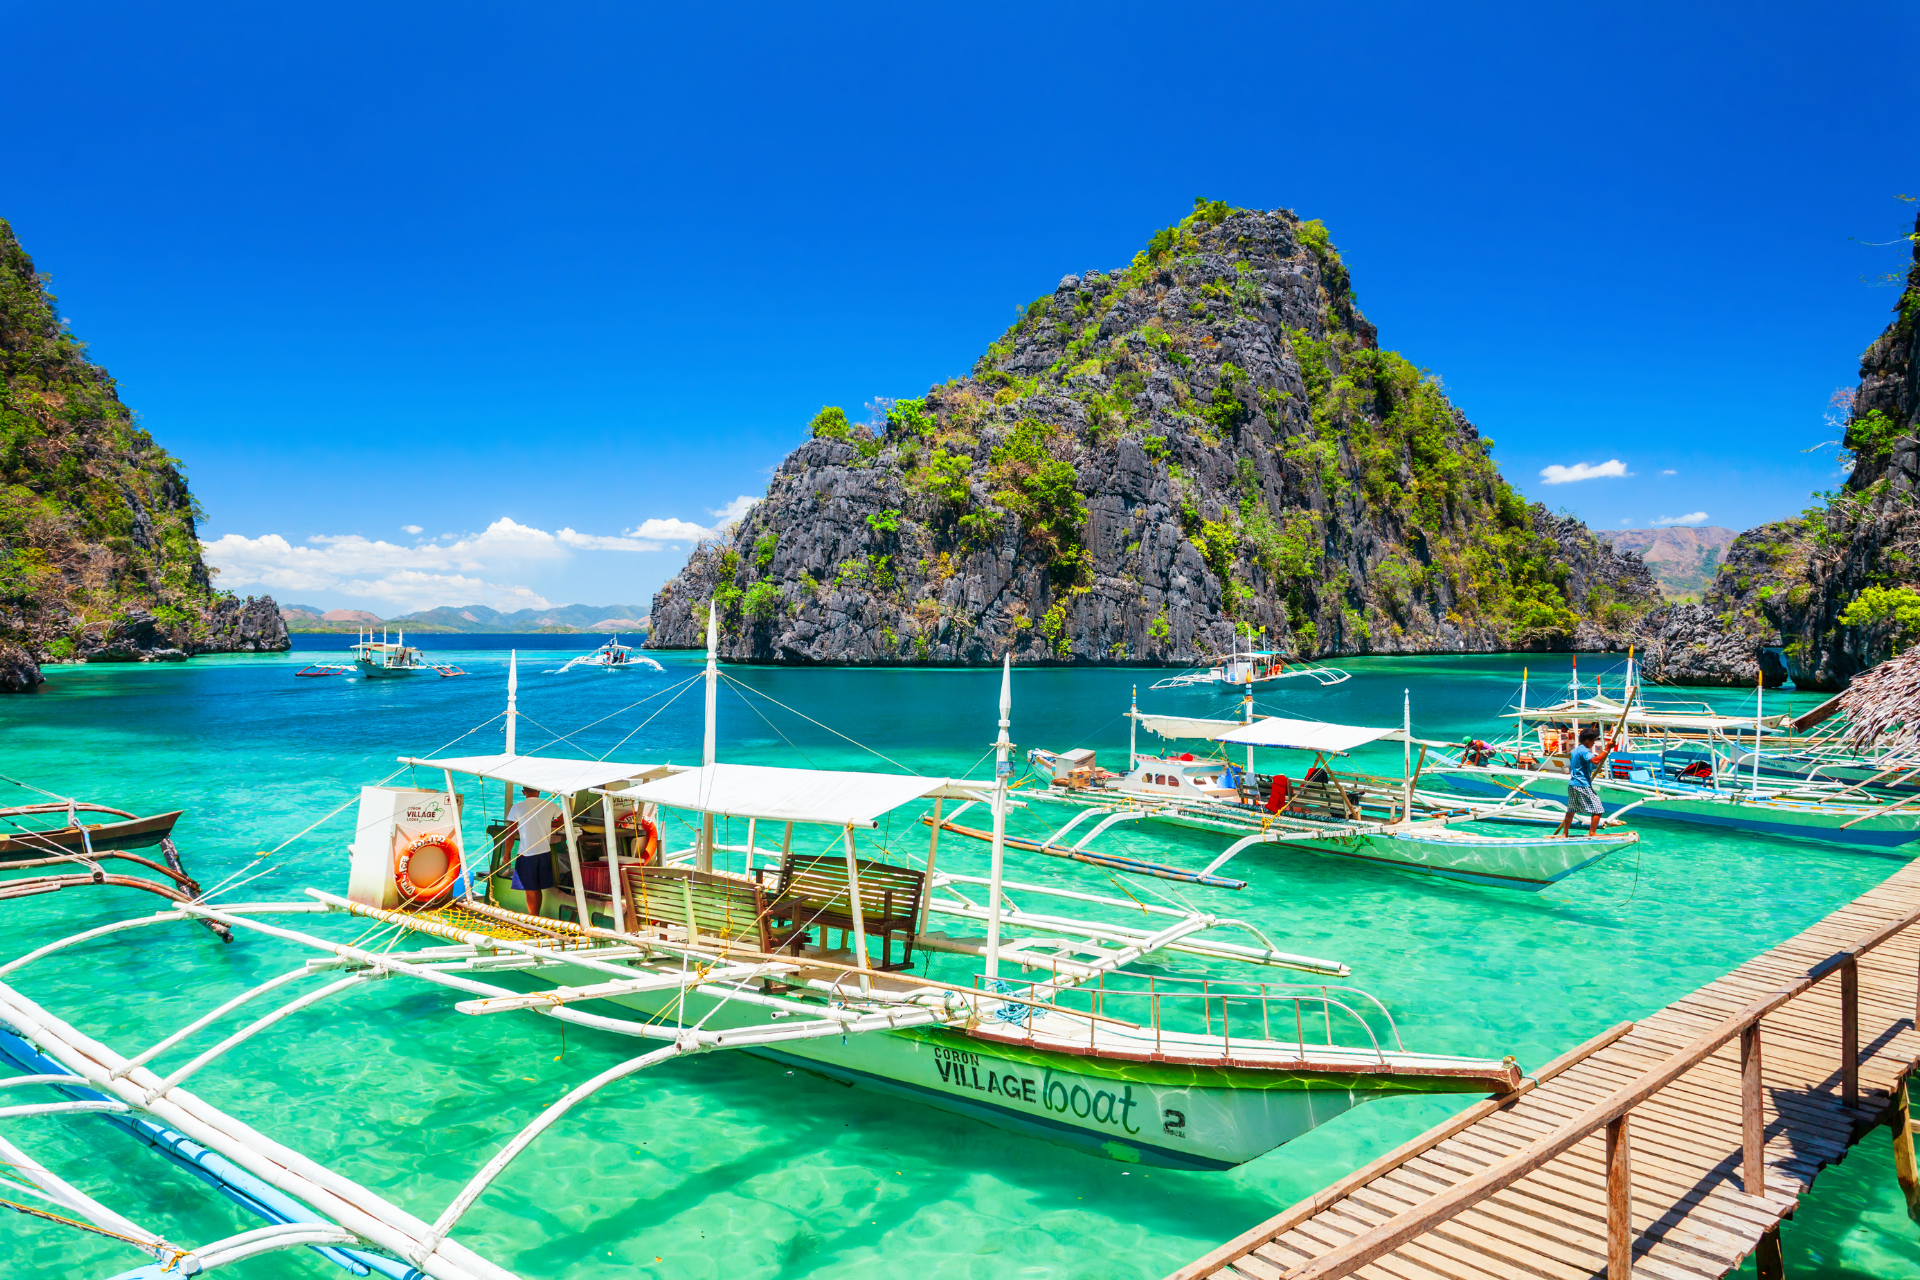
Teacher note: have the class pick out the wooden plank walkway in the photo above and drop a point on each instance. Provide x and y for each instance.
(1630, 1154)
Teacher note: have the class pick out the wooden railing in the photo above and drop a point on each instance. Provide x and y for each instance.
(1614, 1116)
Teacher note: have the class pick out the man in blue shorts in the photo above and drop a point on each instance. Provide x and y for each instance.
(532, 821)
(1581, 797)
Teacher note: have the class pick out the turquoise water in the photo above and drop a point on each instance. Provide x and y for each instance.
(730, 1165)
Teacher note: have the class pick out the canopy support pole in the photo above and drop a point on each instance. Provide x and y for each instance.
(858, 911)
(933, 849)
(573, 859)
(703, 857)
(613, 858)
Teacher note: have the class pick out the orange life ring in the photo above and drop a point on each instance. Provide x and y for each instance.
(403, 862)
(650, 835)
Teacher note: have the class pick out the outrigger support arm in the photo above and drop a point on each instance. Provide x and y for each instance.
(541, 1123)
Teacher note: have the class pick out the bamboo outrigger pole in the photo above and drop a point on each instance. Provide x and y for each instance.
(1002, 769)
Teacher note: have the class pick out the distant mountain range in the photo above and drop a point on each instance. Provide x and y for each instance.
(1683, 560)
(473, 617)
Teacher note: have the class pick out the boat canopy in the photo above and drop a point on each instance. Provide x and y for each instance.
(548, 773)
(1187, 726)
(1642, 716)
(1304, 735)
(833, 797)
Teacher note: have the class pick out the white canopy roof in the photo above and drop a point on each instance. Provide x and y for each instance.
(548, 773)
(1186, 726)
(788, 795)
(1303, 735)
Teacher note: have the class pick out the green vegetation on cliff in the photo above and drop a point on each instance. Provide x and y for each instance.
(97, 527)
(1205, 442)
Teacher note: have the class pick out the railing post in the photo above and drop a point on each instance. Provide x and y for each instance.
(1850, 1032)
(1619, 1201)
(1753, 1115)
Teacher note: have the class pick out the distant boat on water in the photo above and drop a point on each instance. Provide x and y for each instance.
(613, 656)
(382, 659)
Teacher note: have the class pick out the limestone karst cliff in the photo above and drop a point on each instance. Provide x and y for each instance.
(99, 558)
(1207, 442)
(1776, 605)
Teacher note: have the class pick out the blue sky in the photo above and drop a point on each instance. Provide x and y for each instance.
(531, 277)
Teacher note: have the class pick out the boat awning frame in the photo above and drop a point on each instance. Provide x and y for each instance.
(768, 793)
(553, 774)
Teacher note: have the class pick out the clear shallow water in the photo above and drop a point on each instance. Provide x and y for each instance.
(730, 1165)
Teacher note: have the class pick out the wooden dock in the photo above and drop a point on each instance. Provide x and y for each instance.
(1670, 1148)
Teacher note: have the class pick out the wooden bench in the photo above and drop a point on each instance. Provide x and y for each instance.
(715, 910)
(1323, 798)
(812, 893)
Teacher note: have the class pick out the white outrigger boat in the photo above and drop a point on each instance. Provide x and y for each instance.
(612, 656)
(1253, 667)
(686, 954)
(382, 660)
(1390, 821)
(1675, 764)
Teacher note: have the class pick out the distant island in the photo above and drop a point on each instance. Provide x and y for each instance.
(306, 618)
(1684, 561)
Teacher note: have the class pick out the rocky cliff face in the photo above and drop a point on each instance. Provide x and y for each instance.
(1204, 443)
(1777, 605)
(99, 558)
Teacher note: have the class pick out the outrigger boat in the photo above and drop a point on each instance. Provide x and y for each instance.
(1331, 810)
(697, 949)
(78, 849)
(382, 660)
(1675, 765)
(1253, 667)
(612, 656)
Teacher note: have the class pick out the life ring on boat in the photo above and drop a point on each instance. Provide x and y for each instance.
(648, 832)
(410, 889)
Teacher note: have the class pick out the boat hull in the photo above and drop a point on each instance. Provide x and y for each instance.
(1803, 820)
(1170, 1114)
(372, 671)
(138, 833)
(1506, 862)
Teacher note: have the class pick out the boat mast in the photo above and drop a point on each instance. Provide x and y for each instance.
(1133, 732)
(1520, 727)
(706, 753)
(1406, 755)
(513, 688)
(1002, 769)
(1246, 716)
(1758, 695)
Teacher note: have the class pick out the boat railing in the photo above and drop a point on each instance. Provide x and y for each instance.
(1165, 1005)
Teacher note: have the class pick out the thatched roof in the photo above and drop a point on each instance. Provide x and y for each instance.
(1883, 705)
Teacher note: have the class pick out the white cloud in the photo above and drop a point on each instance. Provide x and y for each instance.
(733, 510)
(1692, 517)
(453, 570)
(1669, 472)
(411, 528)
(669, 530)
(600, 542)
(1557, 474)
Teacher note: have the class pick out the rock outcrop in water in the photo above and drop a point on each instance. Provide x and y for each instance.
(99, 554)
(1206, 443)
(1775, 608)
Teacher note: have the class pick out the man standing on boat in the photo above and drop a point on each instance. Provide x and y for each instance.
(532, 820)
(1581, 797)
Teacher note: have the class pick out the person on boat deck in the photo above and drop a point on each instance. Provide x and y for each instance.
(1581, 797)
(532, 820)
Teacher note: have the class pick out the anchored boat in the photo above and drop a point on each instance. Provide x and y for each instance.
(1676, 765)
(613, 656)
(382, 660)
(1330, 809)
